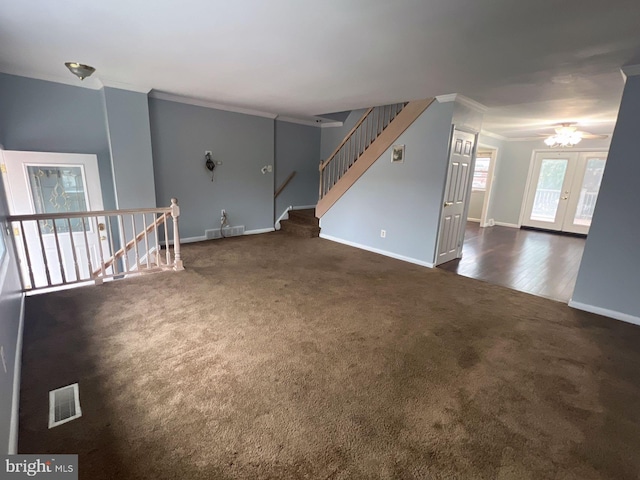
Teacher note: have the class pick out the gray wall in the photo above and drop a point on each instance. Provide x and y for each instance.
(610, 269)
(511, 175)
(10, 303)
(297, 148)
(404, 199)
(127, 115)
(181, 133)
(41, 116)
(493, 143)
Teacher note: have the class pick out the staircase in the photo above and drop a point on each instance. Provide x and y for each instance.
(302, 223)
(374, 133)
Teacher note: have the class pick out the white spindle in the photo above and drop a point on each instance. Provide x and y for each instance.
(99, 237)
(123, 241)
(59, 252)
(26, 252)
(86, 246)
(135, 242)
(166, 241)
(73, 249)
(146, 239)
(155, 232)
(114, 262)
(44, 254)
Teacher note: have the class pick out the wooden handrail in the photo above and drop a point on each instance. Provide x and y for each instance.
(87, 214)
(284, 184)
(158, 221)
(346, 138)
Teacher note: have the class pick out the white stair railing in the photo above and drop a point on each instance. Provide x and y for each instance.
(58, 249)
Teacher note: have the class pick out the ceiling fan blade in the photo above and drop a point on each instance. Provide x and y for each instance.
(593, 136)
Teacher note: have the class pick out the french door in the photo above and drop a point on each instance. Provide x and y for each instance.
(564, 189)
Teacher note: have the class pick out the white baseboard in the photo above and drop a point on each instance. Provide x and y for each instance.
(17, 372)
(284, 216)
(623, 317)
(378, 251)
(259, 230)
(504, 224)
(469, 219)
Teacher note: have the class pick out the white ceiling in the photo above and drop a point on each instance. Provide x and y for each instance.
(532, 62)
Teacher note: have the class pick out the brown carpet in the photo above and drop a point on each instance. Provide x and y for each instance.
(276, 357)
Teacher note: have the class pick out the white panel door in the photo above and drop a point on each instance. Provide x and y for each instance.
(456, 192)
(39, 182)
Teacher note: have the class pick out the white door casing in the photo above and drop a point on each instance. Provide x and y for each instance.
(456, 194)
(19, 167)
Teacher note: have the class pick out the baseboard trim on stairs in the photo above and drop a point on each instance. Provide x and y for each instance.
(17, 372)
(259, 230)
(623, 317)
(378, 251)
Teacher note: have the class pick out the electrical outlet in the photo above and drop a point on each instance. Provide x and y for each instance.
(207, 152)
(223, 212)
(383, 233)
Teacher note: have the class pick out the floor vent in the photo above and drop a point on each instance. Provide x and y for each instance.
(64, 405)
(227, 231)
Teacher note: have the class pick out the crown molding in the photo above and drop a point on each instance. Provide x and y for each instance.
(170, 97)
(493, 135)
(630, 71)
(461, 99)
(124, 86)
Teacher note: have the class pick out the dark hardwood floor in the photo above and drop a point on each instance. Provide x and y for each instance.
(540, 263)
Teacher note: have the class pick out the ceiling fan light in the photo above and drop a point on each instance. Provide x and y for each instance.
(550, 141)
(80, 70)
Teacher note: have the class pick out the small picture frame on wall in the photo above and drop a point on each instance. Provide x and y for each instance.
(397, 154)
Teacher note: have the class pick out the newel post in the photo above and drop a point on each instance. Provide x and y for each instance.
(175, 213)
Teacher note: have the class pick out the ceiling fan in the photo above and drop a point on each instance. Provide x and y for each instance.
(568, 135)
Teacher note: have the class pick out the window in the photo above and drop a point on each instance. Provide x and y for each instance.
(481, 172)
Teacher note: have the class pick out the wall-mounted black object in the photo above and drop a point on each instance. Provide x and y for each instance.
(209, 163)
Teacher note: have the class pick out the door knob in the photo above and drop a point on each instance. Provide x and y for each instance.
(101, 226)
(565, 198)
(448, 204)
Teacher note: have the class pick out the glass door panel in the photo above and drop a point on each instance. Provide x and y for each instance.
(549, 189)
(589, 191)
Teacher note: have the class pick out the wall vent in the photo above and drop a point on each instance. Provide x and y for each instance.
(64, 405)
(227, 231)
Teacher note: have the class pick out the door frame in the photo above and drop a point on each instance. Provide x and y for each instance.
(484, 222)
(534, 152)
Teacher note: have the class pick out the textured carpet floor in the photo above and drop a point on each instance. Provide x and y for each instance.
(278, 357)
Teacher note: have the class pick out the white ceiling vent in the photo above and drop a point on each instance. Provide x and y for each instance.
(64, 405)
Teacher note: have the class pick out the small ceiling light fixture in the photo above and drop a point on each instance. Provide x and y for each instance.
(566, 136)
(80, 70)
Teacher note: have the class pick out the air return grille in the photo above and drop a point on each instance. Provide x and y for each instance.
(227, 232)
(64, 405)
